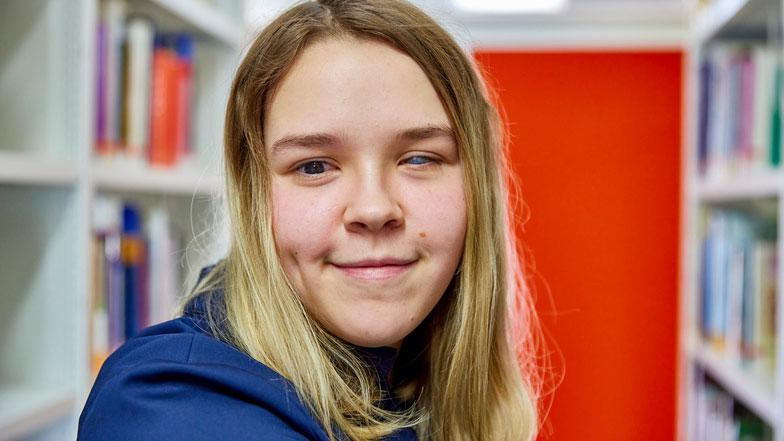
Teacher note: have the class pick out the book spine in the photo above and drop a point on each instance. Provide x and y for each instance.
(163, 274)
(775, 132)
(99, 323)
(763, 105)
(114, 18)
(184, 95)
(746, 116)
(100, 94)
(164, 100)
(115, 281)
(704, 105)
(140, 46)
(733, 117)
(132, 259)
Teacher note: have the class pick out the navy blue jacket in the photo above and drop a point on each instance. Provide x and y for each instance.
(175, 382)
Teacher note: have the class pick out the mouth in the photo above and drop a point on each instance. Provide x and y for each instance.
(382, 269)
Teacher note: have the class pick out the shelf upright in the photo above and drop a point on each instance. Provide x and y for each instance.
(50, 180)
(761, 191)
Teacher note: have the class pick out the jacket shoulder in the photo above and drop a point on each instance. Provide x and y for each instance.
(174, 383)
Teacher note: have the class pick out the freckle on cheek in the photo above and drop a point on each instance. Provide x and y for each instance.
(422, 234)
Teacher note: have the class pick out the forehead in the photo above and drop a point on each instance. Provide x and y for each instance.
(352, 87)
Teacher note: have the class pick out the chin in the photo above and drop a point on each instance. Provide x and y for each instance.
(373, 334)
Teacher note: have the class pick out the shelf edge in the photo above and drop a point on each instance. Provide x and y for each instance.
(739, 384)
(57, 406)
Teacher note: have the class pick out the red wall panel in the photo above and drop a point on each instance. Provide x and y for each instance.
(596, 144)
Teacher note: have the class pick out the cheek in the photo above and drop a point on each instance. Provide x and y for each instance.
(301, 224)
(441, 216)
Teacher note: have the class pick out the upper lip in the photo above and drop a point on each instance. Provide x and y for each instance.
(387, 261)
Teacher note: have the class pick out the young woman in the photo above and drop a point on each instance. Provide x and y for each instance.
(371, 273)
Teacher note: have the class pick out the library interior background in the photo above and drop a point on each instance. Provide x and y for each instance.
(646, 136)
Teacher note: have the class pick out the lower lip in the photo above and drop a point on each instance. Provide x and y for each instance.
(375, 272)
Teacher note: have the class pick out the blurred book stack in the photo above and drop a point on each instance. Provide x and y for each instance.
(738, 289)
(136, 278)
(739, 120)
(144, 89)
(719, 418)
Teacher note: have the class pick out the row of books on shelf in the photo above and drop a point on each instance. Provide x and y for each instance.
(738, 288)
(718, 417)
(136, 272)
(144, 89)
(739, 116)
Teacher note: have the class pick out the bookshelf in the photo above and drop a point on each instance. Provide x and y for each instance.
(731, 379)
(25, 169)
(53, 180)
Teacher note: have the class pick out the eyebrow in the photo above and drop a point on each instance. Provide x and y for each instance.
(328, 139)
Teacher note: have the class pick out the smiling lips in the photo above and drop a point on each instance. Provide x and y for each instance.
(375, 269)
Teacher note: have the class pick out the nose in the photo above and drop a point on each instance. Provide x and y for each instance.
(372, 205)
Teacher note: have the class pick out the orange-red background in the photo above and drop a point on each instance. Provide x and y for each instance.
(596, 144)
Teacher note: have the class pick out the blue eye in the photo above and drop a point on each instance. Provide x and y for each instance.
(418, 160)
(314, 167)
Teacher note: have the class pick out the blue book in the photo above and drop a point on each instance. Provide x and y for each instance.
(706, 74)
(132, 259)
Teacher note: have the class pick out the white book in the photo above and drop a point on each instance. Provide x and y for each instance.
(719, 125)
(163, 280)
(764, 70)
(735, 302)
(140, 32)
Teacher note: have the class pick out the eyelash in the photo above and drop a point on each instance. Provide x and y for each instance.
(300, 168)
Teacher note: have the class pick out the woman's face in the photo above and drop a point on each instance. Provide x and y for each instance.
(367, 192)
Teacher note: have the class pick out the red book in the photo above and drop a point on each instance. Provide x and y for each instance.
(163, 113)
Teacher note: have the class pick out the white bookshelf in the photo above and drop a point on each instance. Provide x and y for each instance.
(50, 179)
(764, 185)
(753, 393)
(717, 23)
(32, 410)
(24, 169)
(184, 181)
(708, 22)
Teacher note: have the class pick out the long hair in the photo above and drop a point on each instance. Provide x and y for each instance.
(467, 372)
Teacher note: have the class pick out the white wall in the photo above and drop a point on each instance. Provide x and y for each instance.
(584, 24)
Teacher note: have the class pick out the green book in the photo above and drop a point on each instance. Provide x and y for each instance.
(775, 132)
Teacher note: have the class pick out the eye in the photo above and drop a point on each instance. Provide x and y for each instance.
(315, 167)
(418, 160)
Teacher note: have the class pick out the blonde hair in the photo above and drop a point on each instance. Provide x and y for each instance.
(460, 370)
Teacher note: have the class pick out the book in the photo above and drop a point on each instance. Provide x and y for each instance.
(144, 89)
(738, 289)
(133, 255)
(109, 58)
(107, 302)
(164, 268)
(739, 114)
(136, 272)
(717, 417)
(140, 34)
(184, 91)
(163, 137)
(764, 68)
